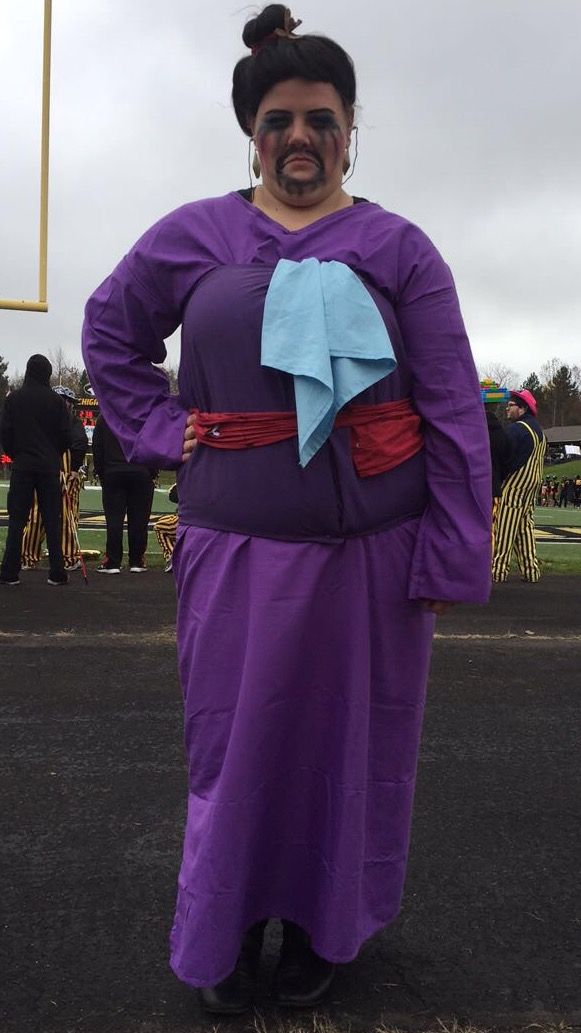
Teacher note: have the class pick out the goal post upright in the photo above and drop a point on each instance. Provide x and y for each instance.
(41, 304)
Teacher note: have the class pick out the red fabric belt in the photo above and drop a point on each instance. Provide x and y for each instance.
(382, 436)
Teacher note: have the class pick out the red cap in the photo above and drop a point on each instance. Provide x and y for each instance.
(526, 398)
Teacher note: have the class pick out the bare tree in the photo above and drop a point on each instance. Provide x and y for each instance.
(550, 369)
(503, 375)
(59, 363)
(172, 375)
(64, 372)
(16, 380)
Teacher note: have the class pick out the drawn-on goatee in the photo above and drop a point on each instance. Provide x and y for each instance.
(299, 187)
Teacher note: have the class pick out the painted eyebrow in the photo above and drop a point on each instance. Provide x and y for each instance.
(311, 111)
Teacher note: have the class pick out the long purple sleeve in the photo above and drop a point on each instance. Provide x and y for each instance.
(126, 322)
(452, 555)
(123, 335)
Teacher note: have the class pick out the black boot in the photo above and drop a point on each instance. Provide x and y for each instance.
(235, 994)
(302, 978)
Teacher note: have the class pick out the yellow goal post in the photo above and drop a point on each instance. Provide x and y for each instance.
(41, 304)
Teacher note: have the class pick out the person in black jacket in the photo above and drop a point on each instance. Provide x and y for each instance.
(492, 394)
(71, 462)
(35, 431)
(499, 451)
(127, 488)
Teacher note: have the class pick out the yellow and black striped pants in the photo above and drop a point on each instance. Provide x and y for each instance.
(33, 536)
(166, 530)
(514, 531)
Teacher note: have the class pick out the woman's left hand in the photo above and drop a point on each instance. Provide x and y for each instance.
(437, 606)
(190, 442)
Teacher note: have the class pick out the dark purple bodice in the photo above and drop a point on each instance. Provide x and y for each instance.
(264, 489)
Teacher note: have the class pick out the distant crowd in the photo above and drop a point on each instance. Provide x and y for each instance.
(561, 493)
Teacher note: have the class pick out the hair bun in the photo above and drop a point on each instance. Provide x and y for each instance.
(277, 54)
(272, 18)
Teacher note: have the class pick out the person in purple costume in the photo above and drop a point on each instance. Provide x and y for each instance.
(307, 594)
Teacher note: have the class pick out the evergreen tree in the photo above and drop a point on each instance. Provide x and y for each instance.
(558, 393)
(83, 385)
(562, 399)
(532, 384)
(4, 381)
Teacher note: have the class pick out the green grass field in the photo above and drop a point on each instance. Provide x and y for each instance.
(91, 499)
(571, 469)
(552, 515)
(555, 558)
(95, 538)
(559, 559)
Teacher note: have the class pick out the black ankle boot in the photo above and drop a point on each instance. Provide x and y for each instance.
(235, 994)
(302, 978)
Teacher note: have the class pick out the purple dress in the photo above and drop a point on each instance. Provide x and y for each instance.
(303, 645)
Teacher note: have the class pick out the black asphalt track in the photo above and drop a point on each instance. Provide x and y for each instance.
(93, 799)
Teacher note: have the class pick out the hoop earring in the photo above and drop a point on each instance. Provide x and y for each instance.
(253, 165)
(249, 167)
(347, 160)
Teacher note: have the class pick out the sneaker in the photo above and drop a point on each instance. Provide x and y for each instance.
(74, 566)
(9, 581)
(29, 566)
(57, 579)
(168, 567)
(137, 570)
(108, 568)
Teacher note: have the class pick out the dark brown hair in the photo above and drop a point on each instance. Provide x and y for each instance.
(276, 58)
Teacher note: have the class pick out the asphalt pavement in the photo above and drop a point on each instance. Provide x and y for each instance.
(93, 803)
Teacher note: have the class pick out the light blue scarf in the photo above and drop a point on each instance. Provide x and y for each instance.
(322, 326)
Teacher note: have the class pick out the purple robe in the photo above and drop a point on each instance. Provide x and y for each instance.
(303, 644)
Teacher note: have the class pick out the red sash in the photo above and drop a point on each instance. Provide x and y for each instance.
(382, 436)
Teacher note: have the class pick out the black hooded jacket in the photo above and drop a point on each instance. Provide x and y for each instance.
(79, 443)
(499, 450)
(108, 456)
(35, 428)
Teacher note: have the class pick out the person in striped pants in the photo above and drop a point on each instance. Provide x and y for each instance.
(71, 461)
(166, 529)
(514, 526)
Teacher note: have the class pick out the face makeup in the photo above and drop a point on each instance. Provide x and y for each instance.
(301, 134)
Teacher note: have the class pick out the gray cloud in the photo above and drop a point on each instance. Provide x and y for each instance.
(468, 126)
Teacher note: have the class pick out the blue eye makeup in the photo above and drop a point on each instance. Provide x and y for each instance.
(275, 121)
(323, 120)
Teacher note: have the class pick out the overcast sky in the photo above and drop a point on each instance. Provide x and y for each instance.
(469, 125)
